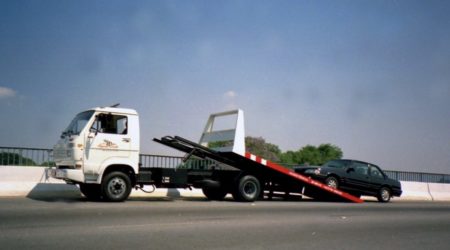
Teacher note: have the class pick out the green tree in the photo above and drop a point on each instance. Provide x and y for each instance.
(15, 159)
(309, 155)
(318, 155)
(48, 164)
(258, 146)
(329, 152)
(289, 157)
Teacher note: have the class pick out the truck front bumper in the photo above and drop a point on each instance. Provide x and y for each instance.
(68, 175)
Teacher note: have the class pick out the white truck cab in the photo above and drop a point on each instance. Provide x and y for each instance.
(99, 151)
(97, 143)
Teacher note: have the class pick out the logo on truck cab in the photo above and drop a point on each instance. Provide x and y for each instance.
(107, 144)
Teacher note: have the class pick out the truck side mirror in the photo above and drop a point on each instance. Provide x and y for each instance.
(349, 170)
(92, 133)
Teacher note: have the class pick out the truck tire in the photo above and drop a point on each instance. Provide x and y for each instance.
(91, 191)
(247, 189)
(214, 193)
(116, 186)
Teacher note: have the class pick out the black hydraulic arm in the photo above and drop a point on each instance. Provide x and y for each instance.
(192, 148)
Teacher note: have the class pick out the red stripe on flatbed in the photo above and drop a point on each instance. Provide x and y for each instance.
(303, 178)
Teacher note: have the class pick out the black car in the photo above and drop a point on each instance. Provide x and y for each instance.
(355, 177)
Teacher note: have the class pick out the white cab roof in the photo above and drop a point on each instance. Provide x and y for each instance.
(116, 110)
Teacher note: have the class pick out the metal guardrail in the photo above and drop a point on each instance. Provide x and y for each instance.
(14, 156)
(418, 176)
(26, 157)
(38, 157)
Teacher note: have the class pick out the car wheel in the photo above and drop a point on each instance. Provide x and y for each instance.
(384, 195)
(332, 182)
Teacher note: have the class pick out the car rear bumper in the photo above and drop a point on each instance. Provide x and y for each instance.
(396, 192)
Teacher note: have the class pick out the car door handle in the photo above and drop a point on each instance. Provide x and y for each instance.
(126, 139)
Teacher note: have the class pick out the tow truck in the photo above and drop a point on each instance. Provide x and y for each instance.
(99, 152)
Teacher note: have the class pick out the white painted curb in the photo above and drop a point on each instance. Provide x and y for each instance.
(439, 192)
(415, 191)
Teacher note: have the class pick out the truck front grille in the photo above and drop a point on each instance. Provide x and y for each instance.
(60, 153)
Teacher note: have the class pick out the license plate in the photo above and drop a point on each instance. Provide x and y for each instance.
(60, 174)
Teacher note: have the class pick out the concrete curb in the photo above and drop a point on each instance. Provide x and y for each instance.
(32, 182)
(415, 191)
(439, 192)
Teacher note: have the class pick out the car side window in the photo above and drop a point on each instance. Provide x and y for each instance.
(360, 168)
(374, 172)
(336, 164)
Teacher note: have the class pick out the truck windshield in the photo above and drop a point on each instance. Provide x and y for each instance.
(78, 123)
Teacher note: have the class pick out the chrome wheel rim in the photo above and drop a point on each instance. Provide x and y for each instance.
(332, 183)
(117, 187)
(385, 194)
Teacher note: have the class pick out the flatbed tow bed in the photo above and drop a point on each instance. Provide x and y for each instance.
(256, 174)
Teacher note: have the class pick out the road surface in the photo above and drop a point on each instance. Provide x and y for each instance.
(194, 223)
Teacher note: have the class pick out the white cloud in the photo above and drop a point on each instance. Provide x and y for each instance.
(230, 94)
(6, 92)
(230, 102)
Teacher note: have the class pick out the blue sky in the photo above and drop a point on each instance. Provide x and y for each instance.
(372, 77)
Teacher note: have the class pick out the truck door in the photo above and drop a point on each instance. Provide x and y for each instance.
(108, 138)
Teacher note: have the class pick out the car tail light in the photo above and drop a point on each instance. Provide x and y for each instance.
(317, 171)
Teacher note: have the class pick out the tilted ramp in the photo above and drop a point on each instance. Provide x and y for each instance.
(229, 149)
(250, 162)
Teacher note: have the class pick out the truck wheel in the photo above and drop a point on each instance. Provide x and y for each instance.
(384, 195)
(116, 186)
(247, 189)
(214, 193)
(91, 191)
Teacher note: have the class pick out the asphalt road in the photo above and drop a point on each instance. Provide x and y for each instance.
(152, 223)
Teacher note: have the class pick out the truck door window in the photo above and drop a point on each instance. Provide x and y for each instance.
(111, 124)
(122, 125)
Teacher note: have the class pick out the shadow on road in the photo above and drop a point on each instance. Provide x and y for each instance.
(52, 192)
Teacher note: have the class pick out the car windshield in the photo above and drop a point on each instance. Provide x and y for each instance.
(78, 123)
(376, 172)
